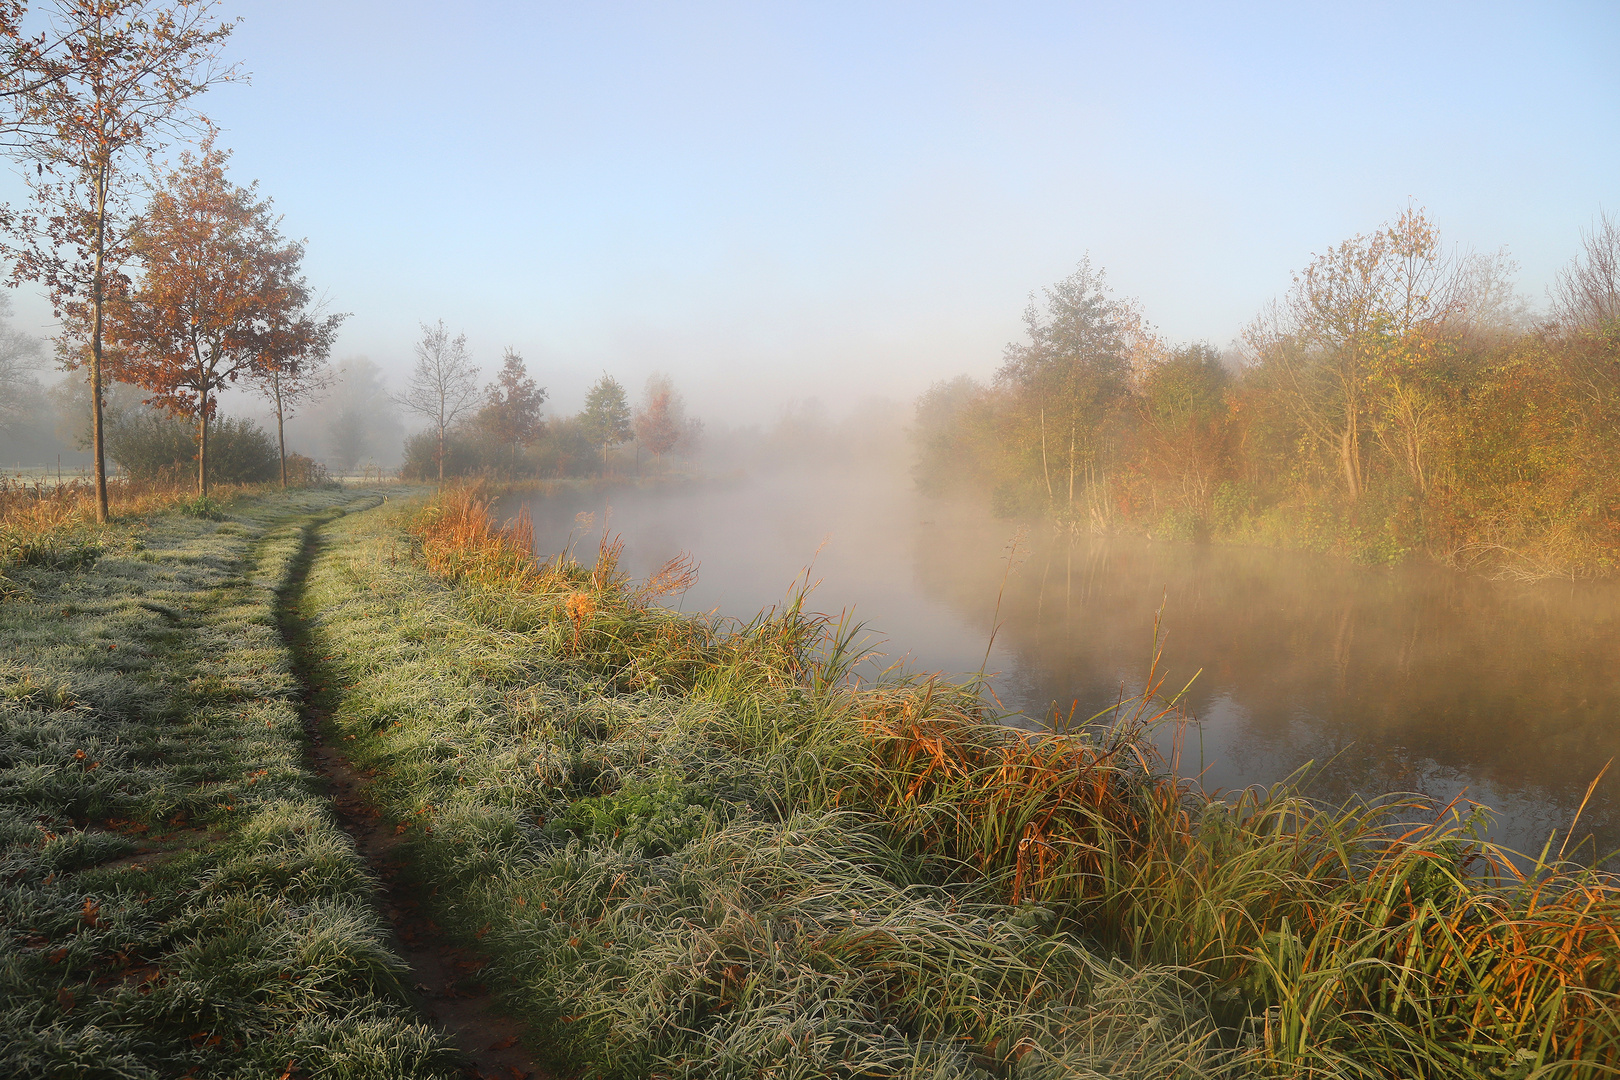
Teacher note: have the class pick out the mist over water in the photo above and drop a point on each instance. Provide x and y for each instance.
(1410, 679)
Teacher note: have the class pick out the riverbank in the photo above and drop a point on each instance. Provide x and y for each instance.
(687, 847)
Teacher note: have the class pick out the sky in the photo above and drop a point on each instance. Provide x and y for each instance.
(777, 201)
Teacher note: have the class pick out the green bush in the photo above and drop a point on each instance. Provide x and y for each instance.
(465, 454)
(150, 445)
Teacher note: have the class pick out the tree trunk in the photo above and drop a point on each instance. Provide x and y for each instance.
(441, 455)
(1349, 452)
(202, 446)
(1071, 464)
(1045, 471)
(281, 435)
(97, 434)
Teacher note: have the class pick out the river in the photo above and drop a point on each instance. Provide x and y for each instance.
(1415, 678)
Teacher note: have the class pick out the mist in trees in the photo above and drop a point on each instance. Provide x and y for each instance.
(443, 386)
(510, 415)
(355, 423)
(606, 418)
(503, 430)
(1396, 399)
(660, 422)
(20, 358)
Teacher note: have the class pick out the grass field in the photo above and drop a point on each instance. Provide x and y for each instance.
(175, 898)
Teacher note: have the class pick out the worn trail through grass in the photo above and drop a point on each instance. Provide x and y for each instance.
(443, 976)
(176, 898)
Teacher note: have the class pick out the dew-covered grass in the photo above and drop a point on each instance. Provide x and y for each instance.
(175, 896)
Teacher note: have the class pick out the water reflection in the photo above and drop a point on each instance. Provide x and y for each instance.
(1413, 679)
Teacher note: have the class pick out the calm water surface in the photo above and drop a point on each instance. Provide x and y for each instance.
(1413, 679)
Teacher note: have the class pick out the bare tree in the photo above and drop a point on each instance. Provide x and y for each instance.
(445, 382)
(20, 354)
(1586, 293)
(112, 80)
(292, 384)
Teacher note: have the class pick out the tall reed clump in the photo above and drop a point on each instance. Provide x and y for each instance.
(1378, 938)
(1336, 938)
(597, 617)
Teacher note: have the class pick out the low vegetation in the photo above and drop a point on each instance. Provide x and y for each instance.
(53, 526)
(152, 445)
(689, 847)
(175, 897)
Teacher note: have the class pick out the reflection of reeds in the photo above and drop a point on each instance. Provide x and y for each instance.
(1327, 940)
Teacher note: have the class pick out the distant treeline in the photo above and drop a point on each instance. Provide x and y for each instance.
(502, 432)
(1398, 399)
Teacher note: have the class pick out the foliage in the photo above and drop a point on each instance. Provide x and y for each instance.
(660, 421)
(220, 298)
(149, 445)
(301, 471)
(1395, 402)
(118, 77)
(511, 411)
(606, 418)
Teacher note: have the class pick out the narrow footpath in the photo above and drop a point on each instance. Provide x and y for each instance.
(445, 979)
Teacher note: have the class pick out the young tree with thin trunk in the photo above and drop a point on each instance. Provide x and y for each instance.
(220, 296)
(444, 384)
(112, 80)
(606, 418)
(295, 372)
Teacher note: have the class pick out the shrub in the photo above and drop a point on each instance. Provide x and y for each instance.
(465, 454)
(150, 445)
(306, 472)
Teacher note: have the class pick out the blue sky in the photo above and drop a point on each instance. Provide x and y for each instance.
(773, 201)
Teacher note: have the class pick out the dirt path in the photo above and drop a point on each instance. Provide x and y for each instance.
(444, 977)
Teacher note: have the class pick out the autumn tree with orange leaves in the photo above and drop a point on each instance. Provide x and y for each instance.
(102, 89)
(220, 298)
(660, 421)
